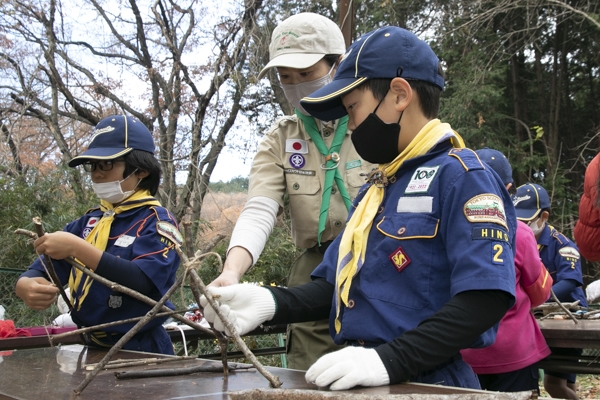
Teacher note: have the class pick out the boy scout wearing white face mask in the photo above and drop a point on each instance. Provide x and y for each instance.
(312, 161)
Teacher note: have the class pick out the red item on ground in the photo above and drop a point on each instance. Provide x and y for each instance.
(8, 330)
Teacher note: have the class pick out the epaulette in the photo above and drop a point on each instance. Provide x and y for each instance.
(468, 159)
(554, 233)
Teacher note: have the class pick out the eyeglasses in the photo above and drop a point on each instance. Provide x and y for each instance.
(105, 165)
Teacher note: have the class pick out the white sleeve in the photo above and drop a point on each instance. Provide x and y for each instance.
(254, 225)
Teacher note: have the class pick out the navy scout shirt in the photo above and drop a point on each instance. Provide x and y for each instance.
(446, 225)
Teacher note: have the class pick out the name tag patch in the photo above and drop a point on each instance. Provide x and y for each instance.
(421, 179)
(496, 234)
(124, 241)
(299, 172)
(485, 208)
(416, 204)
(353, 164)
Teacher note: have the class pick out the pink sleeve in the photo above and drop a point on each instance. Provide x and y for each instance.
(534, 279)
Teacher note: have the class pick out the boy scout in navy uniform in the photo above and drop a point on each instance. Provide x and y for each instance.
(425, 265)
(562, 260)
(128, 239)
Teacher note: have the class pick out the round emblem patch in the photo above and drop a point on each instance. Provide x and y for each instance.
(297, 160)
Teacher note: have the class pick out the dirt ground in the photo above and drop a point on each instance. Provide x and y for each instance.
(588, 387)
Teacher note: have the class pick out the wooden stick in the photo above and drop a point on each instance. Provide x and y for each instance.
(114, 364)
(136, 295)
(107, 325)
(563, 307)
(132, 332)
(175, 371)
(37, 221)
(273, 380)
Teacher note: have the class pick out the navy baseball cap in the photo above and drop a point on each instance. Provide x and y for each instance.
(498, 162)
(114, 137)
(530, 200)
(387, 52)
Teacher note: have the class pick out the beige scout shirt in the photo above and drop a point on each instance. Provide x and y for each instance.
(274, 173)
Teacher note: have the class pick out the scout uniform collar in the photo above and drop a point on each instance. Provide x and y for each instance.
(332, 160)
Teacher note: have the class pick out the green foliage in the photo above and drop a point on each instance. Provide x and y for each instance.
(22, 198)
(235, 185)
(272, 266)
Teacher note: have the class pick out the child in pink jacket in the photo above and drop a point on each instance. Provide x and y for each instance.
(510, 364)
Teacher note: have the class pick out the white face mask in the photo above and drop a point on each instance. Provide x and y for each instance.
(537, 226)
(112, 191)
(295, 93)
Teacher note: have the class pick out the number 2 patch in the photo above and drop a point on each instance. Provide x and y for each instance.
(497, 253)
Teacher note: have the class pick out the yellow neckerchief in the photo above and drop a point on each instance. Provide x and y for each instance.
(98, 237)
(353, 245)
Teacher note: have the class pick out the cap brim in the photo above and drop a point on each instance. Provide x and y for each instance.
(527, 214)
(292, 60)
(98, 154)
(326, 103)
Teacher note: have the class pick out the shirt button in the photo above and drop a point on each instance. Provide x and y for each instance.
(380, 210)
(333, 190)
(326, 132)
(351, 303)
(296, 186)
(337, 224)
(401, 231)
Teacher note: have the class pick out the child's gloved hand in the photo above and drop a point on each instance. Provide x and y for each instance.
(245, 306)
(349, 367)
(592, 292)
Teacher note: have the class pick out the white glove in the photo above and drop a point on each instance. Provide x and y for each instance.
(246, 306)
(349, 367)
(592, 292)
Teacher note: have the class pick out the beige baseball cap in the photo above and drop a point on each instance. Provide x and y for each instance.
(302, 40)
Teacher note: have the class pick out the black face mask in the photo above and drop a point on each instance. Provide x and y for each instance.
(376, 141)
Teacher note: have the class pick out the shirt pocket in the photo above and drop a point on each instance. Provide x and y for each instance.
(302, 185)
(405, 261)
(357, 177)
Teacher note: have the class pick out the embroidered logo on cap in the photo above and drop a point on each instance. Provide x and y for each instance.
(296, 146)
(399, 259)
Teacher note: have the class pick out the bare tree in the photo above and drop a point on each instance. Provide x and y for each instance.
(71, 63)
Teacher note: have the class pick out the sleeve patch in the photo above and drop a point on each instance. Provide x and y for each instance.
(569, 252)
(170, 232)
(495, 234)
(485, 208)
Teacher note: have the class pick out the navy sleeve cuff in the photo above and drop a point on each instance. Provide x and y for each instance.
(308, 302)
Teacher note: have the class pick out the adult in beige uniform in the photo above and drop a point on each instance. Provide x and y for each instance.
(314, 162)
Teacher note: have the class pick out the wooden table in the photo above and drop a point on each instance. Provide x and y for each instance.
(567, 334)
(53, 373)
(585, 334)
